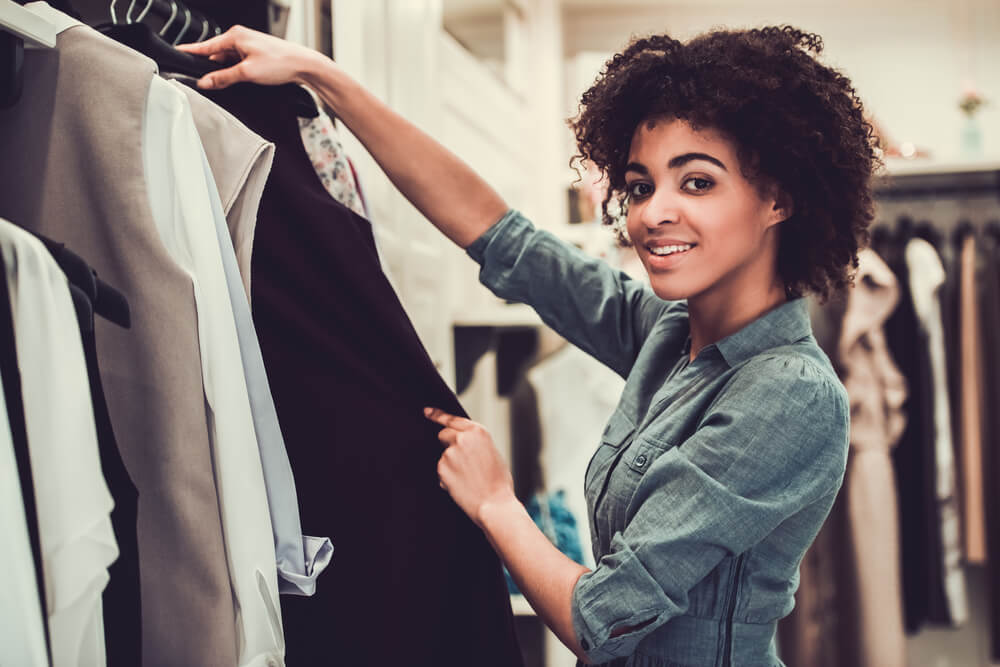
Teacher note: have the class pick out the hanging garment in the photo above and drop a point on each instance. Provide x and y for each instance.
(240, 162)
(319, 136)
(926, 275)
(914, 455)
(989, 300)
(414, 581)
(23, 628)
(877, 391)
(76, 173)
(337, 173)
(73, 503)
(121, 602)
(186, 207)
(300, 559)
(971, 406)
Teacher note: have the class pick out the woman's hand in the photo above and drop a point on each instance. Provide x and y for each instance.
(256, 57)
(471, 469)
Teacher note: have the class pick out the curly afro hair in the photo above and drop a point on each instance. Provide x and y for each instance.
(796, 124)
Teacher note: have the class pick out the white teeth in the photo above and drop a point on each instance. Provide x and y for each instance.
(670, 249)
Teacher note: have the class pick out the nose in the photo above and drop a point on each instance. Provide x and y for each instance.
(660, 209)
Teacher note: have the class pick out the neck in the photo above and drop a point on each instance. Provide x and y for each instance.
(718, 313)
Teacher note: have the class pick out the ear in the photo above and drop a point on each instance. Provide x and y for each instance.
(781, 210)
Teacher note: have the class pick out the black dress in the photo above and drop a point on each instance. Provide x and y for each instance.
(412, 581)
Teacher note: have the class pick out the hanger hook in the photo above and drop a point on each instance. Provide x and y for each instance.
(142, 15)
(173, 15)
(204, 29)
(187, 24)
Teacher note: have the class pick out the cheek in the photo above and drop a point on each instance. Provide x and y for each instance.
(632, 223)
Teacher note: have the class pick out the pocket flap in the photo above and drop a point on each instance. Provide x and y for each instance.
(642, 454)
(617, 431)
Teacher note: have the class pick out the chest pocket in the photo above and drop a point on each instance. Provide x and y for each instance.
(616, 470)
(624, 477)
(615, 440)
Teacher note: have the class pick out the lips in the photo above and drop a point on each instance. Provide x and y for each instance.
(667, 250)
(665, 255)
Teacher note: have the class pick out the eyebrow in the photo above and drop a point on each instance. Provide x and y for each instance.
(678, 161)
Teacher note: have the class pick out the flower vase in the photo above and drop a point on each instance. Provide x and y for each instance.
(972, 138)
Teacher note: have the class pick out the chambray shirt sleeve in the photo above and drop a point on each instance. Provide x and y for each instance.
(600, 310)
(773, 441)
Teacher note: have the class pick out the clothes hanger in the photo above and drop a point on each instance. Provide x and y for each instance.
(963, 229)
(101, 298)
(184, 28)
(170, 21)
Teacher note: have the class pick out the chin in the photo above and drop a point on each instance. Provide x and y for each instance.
(671, 292)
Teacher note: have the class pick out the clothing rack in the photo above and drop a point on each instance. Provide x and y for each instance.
(19, 28)
(954, 181)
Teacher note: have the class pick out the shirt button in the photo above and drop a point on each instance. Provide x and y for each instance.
(640, 460)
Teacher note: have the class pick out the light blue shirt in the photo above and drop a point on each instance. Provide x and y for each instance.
(300, 558)
(712, 477)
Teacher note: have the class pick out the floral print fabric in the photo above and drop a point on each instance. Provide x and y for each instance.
(319, 136)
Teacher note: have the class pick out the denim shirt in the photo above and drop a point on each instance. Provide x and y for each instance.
(712, 476)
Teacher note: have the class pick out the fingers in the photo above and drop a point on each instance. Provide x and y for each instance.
(218, 44)
(451, 421)
(224, 77)
(448, 436)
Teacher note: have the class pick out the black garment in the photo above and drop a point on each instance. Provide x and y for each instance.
(413, 581)
(121, 599)
(989, 303)
(913, 457)
(10, 376)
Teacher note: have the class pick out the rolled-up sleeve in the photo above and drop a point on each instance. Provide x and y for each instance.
(600, 310)
(773, 442)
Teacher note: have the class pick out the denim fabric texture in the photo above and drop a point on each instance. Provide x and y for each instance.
(712, 476)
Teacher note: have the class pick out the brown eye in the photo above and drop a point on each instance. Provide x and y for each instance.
(697, 185)
(639, 189)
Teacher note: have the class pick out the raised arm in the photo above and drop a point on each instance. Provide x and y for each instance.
(442, 187)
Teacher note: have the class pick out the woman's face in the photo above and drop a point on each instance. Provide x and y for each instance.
(697, 224)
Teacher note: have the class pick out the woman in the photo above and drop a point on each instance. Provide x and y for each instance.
(741, 167)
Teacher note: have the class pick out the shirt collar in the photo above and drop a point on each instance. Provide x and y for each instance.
(785, 324)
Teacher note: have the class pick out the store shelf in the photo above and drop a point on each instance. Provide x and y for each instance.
(926, 167)
(519, 605)
(514, 315)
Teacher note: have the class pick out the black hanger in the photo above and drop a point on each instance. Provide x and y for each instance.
(145, 40)
(963, 229)
(928, 232)
(904, 229)
(84, 309)
(102, 298)
(992, 227)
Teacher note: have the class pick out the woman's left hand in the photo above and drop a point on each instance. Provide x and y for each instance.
(470, 468)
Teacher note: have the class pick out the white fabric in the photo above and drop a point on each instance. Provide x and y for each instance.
(181, 199)
(299, 558)
(22, 633)
(576, 395)
(73, 502)
(926, 279)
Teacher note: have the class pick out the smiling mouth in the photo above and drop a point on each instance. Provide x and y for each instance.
(668, 250)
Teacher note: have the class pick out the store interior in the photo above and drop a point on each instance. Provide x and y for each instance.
(496, 80)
